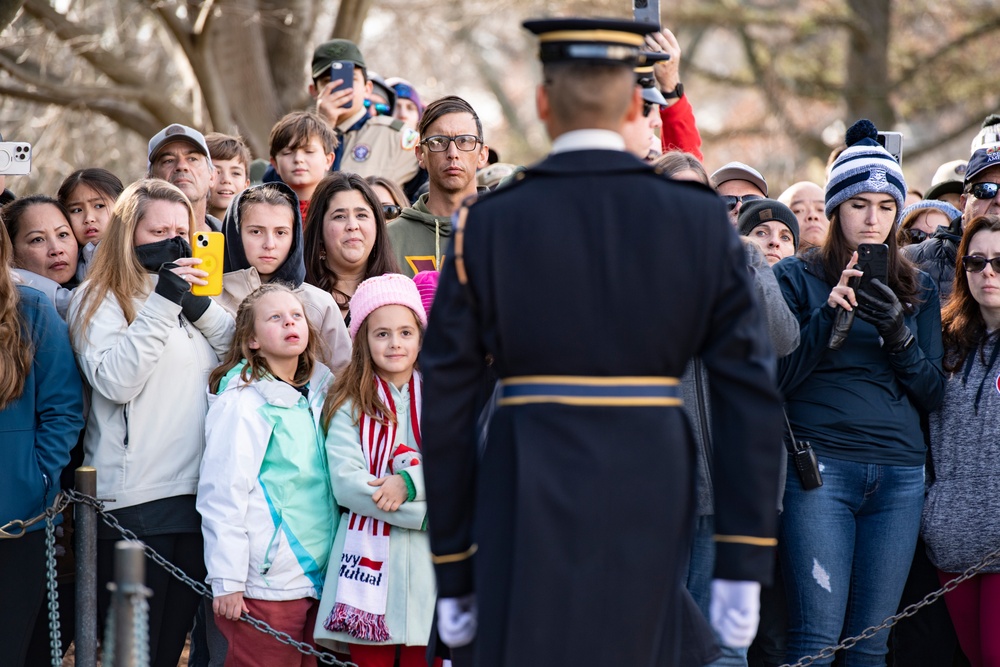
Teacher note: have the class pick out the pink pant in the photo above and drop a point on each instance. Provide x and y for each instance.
(249, 647)
(974, 608)
(384, 655)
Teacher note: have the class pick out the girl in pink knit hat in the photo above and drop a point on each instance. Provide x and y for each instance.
(379, 592)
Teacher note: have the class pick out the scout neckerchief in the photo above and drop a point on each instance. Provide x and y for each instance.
(363, 586)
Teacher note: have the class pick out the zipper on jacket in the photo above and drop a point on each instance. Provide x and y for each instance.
(125, 416)
(184, 326)
(699, 386)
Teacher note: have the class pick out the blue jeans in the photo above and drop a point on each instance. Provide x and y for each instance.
(845, 554)
(699, 584)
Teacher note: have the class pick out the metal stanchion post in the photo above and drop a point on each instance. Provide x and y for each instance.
(85, 520)
(130, 579)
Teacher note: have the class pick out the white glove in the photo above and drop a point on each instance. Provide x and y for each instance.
(735, 611)
(457, 620)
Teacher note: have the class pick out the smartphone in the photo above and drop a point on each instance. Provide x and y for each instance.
(893, 143)
(873, 258)
(646, 11)
(343, 70)
(209, 248)
(15, 158)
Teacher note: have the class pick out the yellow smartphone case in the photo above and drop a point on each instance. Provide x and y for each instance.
(208, 247)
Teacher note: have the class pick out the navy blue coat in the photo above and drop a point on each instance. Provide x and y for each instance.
(38, 430)
(594, 265)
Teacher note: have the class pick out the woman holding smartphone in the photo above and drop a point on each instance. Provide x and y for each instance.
(860, 407)
(146, 346)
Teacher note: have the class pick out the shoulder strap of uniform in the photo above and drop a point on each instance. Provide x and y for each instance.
(396, 124)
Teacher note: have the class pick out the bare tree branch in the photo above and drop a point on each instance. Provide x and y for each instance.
(83, 40)
(8, 10)
(30, 75)
(350, 18)
(920, 67)
(126, 116)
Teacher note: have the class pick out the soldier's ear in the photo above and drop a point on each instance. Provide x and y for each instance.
(635, 105)
(542, 102)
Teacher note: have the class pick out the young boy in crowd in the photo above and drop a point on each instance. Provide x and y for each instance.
(231, 158)
(302, 147)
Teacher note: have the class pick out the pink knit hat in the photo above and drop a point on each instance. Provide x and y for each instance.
(385, 290)
(427, 284)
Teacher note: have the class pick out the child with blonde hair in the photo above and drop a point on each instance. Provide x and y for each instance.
(268, 512)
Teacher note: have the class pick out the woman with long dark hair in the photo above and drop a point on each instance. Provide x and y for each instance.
(345, 241)
(856, 391)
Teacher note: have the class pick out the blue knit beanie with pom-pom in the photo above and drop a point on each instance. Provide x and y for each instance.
(864, 166)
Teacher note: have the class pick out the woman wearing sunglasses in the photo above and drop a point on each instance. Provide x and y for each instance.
(860, 407)
(960, 524)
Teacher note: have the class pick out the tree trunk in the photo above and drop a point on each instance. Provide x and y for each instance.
(866, 89)
(350, 19)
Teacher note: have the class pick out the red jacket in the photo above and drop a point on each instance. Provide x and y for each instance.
(679, 131)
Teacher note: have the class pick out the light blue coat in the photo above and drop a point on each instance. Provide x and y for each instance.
(412, 592)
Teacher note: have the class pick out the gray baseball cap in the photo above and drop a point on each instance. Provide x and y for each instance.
(177, 132)
(737, 171)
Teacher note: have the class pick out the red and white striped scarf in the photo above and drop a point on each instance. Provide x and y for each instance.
(363, 585)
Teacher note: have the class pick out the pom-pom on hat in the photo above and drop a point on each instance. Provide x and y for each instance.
(989, 134)
(759, 211)
(864, 166)
(386, 290)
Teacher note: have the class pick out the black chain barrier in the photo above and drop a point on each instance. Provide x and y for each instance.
(15, 529)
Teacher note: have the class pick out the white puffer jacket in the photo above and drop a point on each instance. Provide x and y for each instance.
(146, 429)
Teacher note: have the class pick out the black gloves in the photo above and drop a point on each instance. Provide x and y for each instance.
(878, 306)
(174, 288)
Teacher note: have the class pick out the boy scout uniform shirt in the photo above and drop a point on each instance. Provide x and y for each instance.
(381, 146)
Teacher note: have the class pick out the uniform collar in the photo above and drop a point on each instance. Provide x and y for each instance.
(582, 140)
(357, 119)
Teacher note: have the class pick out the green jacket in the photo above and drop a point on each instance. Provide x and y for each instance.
(419, 238)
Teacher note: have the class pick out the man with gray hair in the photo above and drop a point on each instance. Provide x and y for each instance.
(179, 155)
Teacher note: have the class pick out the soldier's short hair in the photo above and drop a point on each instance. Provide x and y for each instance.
(586, 94)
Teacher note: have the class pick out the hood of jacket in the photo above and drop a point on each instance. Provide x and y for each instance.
(440, 224)
(293, 270)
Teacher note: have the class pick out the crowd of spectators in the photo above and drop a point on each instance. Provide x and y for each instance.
(107, 357)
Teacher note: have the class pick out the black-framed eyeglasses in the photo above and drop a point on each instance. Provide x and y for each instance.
(733, 200)
(463, 142)
(381, 108)
(391, 211)
(977, 263)
(983, 190)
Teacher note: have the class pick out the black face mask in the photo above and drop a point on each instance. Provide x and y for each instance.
(154, 255)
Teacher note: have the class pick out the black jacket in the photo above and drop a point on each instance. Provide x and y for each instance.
(937, 255)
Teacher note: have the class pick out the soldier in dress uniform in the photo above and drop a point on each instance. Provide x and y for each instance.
(589, 283)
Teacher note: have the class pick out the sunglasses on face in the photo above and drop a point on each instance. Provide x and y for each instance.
(647, 107)
(916, 235)
(380, 108)
(391, 211)
(977, 263)
(439, 142)
(983, 190)
(733, 200)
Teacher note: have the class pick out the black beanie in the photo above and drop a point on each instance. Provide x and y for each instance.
(759, 211)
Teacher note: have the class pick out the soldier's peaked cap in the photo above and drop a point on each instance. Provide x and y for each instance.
(608, 41)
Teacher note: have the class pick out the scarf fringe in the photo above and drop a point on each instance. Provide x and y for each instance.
(357, 623)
